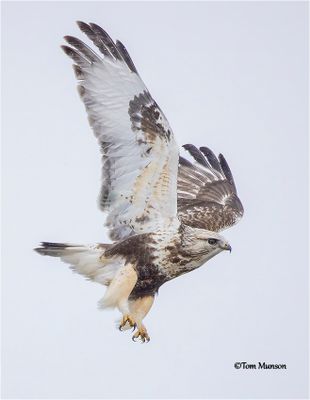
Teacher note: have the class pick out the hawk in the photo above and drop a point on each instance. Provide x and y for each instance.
(164, 212)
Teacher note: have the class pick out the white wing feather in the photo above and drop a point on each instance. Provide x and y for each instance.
(140, 155)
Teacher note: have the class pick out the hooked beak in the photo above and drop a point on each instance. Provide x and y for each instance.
(226, 246)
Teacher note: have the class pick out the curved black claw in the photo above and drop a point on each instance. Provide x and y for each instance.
(141, 337)
(126, 320)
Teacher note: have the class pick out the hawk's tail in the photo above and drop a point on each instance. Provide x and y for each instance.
(58, 249)
(87, 260)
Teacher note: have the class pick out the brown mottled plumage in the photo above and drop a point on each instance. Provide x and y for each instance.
(207, 195)
(163, 211)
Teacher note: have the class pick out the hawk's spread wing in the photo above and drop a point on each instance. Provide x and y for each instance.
(207, 195)
(140, 155)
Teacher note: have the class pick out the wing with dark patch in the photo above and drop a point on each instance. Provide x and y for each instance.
(140, 156)
(207, 195)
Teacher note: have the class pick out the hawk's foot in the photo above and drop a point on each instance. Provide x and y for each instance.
(141, 334)
(127, 322)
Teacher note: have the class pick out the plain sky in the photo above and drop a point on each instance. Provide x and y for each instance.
(231, 76)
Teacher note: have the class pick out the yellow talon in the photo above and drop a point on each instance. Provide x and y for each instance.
(141, 334)
(127, 319)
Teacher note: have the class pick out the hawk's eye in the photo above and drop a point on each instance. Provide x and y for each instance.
(212, 241)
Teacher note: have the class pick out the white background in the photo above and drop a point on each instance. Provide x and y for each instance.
(232, 76)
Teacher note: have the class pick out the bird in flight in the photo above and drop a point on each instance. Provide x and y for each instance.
(164, 212)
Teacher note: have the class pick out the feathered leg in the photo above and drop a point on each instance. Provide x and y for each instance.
(118, 292)
(139, 309)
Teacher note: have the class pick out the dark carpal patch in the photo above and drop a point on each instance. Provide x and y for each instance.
(146, 115)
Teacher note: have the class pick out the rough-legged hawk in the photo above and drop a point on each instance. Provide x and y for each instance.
(163, 211)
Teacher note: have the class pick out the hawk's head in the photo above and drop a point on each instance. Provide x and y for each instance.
(208, 244)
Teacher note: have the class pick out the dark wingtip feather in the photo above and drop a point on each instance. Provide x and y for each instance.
(85, 50)
(75, 56)
(226, 170)
(196, 154)
(185, 162)
(126, 57)
(94, 25)
(85, 28)
(106, 39)
(94, 37)
(69, 38)
(66, 49)
(211, 157)
(73, 41)
(81, 24)
(104, 42)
